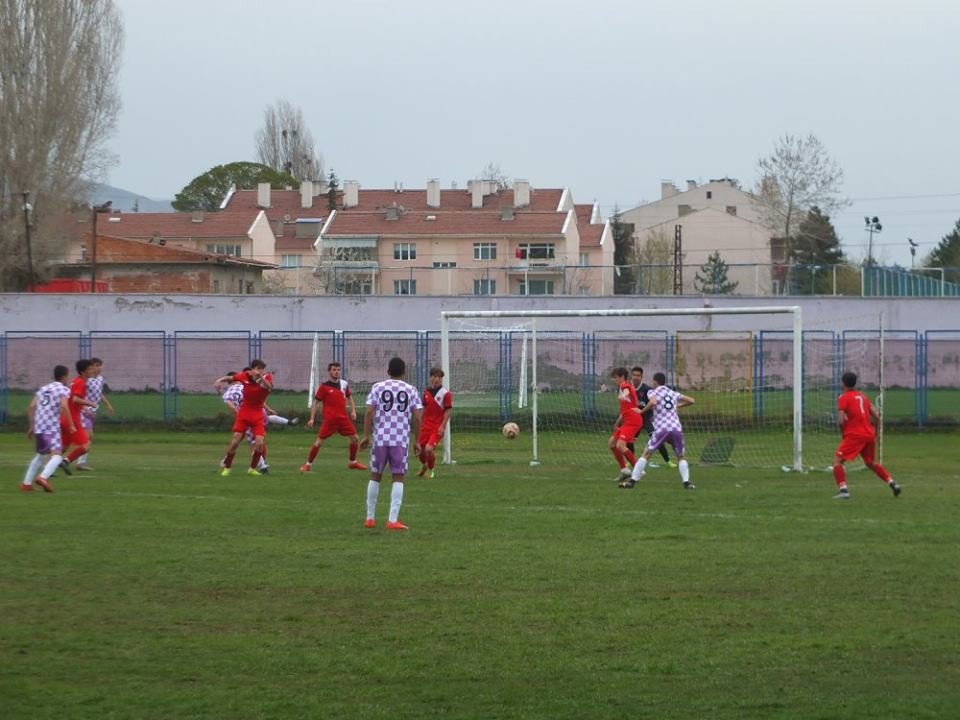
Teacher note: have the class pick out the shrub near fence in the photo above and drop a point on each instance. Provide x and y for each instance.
(154, 376)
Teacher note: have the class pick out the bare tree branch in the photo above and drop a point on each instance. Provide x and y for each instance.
(285, 143)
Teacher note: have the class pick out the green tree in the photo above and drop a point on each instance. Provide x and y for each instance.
(712, 278)
(947, 254)
(814, 249)
(207, 191)
(623, 251)
(332, 187)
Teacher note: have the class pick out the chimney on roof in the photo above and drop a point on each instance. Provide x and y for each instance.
(306, 194)
(667, 189)
(691, 184)
(476, 193)
(433, 193)
(196, 216)
(351, 194)
(521, 193)
(263, 195)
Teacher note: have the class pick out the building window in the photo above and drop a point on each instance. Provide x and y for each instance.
(249, 288)
(731, 209)
(291, 261)
(216, 286)
(584, 259)
(441, 265)
(233, 250)
(536, 251)
(709, 194)
(484, 286)
(351, 254)
(354, 287)
(484, 251)
(536, 287)
(585, 290)
(404, 287)
(404, 251)
(778, 250)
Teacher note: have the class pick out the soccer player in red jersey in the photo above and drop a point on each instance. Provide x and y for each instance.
(257, 384)
(79, 440)
(857, 420)
(334, 395)
(629, 423)
(437, 409)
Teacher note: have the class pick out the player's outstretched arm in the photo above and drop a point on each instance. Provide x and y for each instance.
(649, 406)
(685, 400)
(221, 380)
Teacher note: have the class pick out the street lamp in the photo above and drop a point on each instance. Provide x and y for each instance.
(26, 226)
(94, 211)
(913, 251)
(873, 226)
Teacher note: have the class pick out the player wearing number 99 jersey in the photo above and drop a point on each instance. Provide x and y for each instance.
(391, 406)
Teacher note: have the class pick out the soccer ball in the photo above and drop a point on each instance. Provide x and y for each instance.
(510, 430)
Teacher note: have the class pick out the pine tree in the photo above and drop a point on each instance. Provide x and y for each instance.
(814, 250)
(714, 280)
(947, 254)
(623, 251)
(332, 188)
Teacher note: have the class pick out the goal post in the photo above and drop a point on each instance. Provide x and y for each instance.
(539, 318)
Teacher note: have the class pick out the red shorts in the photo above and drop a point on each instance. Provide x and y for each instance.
(429, 436)
(334, 425)
(254, 421)
(628, 431)
(850, 447)
(76, 439)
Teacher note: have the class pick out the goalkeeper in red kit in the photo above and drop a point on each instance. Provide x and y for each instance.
(857, 418)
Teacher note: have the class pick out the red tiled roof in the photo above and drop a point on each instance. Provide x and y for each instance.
(287, 202)
(113, 249)
(225, 224)
(293, 243)
(472, 223)
(590, 235)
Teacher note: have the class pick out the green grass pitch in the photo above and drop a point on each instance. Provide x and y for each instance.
(154, 588)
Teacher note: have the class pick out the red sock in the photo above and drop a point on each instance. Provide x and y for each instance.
(619, 456)
(74, 454)
(228, 460)
(840, 475)
(314, 449)
(431, 459)
(880, 471)
(264, 453)
(353, 451)
(631, 458)
(255, 459)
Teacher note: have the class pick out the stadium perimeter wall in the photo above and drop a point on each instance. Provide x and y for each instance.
(170, 313)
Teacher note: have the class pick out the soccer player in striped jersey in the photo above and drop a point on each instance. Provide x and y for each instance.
(667, 428)
(96, 395)
(47, 408)
(392, 406)
(857, 418)
(437, 409)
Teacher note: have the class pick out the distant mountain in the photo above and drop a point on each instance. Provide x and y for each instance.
(127, 201)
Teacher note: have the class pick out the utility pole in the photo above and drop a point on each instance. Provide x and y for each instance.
(94, 211)
(26, 227)
(873, 226)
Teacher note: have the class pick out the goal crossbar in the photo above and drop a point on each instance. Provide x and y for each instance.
(793, 310)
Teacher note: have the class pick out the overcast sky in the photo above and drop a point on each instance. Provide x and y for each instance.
(606, 97)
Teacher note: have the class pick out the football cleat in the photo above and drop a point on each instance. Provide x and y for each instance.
(264, 469)
(689, 485)
(224, 472)
(431, 475)
(842, 495)
(305, 467)
(42, 482)
(624, 474)
(294, 420)
(396, 526)
(653, 464)
(84, 468)
(896, 489)
(254, 472)
(422, 472)
(369, 523)
(356, 465)
(65, 466)
(627, 484)
(26, 487)
(671, 463)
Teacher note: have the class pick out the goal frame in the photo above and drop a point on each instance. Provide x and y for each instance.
(793, 310)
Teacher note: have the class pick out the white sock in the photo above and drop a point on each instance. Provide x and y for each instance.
(396, 500)
(52, 464)
(32, 469)
(277, 420)
(373, 492)
(638, 469)
(684, 467)
(262, 464)
(82, 460)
